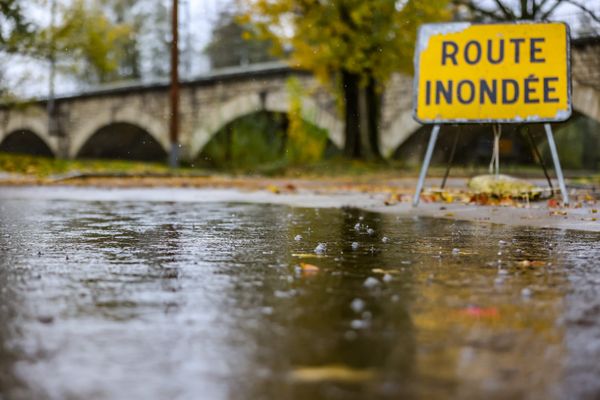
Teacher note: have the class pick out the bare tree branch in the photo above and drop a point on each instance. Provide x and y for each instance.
(583, 8)
(552, 8)
(538, 7)
(505, 10)
(479, 10)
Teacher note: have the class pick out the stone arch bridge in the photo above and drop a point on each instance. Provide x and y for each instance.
(210, 102)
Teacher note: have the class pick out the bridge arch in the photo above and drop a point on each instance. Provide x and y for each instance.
(275, 102)
(586, 100)
(124, 141)
(26, 141)
(155, 127)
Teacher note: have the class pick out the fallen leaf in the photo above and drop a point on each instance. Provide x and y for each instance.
(309, 268)
(273, 189)
(385, 271)
(336, 373)
(531, 263)
(553, 203)
(480, 312)
(308, 255)
(558, 212)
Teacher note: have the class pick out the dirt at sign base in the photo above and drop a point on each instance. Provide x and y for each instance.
(504, 186)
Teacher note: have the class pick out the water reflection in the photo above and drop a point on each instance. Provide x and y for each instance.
(174, 300)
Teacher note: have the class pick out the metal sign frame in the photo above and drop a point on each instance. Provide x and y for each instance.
(437, 123)
(441, 27)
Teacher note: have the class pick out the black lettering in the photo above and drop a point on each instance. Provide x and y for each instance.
(528, 90)
(500, 52)
(549, 90)
(451, 55)
(517, 42)
(533, 50)
(427, 92)
(446, 92)
(515, 85)
(492, 93)
(468, 46)
(460, 92)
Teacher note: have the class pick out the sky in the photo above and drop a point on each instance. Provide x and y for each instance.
(30, 78)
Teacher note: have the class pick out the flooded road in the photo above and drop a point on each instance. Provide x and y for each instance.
(184, 300)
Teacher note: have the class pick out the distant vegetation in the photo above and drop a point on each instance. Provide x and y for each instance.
(262, 141)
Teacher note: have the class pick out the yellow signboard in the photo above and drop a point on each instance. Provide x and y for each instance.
(492, 73)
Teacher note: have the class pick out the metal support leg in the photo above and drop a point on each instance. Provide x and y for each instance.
(432, 139)
(559, 174)
(451, 159)
(174, 155)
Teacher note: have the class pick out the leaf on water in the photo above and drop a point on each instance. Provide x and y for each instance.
(385, 271)
(309, 268)
(308, 255)
(531, 263)
(335, 372)
(480, 312)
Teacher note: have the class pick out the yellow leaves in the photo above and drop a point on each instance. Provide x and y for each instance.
(394, 198)
(88, 40)
(503, 186)
(289, 187)
(273, 189)
(246, 35)
(369, 38)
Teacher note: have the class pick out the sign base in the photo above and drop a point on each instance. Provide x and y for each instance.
(431, 146)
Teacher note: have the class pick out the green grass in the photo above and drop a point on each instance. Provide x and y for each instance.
(44, 167)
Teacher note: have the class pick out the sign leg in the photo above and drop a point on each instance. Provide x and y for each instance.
(559, 174)
(432, 139)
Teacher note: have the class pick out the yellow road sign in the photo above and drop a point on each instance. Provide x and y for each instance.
(517, 72)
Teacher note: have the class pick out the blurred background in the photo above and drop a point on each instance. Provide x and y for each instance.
(258, 86)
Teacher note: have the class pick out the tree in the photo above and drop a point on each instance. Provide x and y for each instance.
(128, 12)
(539, 10)
(234, 43)
(86, 43)
(352, 45)
(16, 36)
(146, 52)
(15, 31)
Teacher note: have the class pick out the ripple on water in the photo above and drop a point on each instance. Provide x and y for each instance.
(205, 298)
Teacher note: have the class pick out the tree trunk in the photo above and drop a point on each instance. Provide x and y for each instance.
(374, 116)
(351, 122)
(361, 118)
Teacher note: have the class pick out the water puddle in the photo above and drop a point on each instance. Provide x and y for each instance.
(154, 300)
